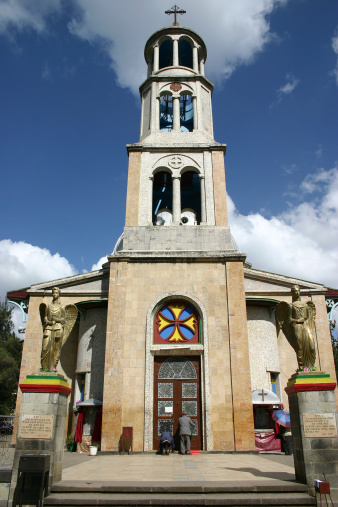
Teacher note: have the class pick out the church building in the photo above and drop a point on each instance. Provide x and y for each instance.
(177, 320)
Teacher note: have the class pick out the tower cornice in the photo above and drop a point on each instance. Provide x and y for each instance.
(162, 75)
(184, 148)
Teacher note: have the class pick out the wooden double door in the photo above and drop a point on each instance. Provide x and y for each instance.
(177, 388)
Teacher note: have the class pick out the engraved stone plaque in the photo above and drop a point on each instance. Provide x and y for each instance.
(36, 426)
(319, 425)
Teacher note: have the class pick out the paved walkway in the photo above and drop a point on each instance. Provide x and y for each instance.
(172, 468)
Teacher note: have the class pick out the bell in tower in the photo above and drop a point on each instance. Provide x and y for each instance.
(176, 330)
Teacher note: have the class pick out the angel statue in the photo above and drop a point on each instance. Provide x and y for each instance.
(57, 322)
(298, 324)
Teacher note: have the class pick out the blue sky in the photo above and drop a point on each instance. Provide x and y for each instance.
(69, 105)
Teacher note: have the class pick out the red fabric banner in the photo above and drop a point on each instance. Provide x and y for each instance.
(267, 442)
(79, 428)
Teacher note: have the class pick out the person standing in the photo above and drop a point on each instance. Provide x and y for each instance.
(185, 425)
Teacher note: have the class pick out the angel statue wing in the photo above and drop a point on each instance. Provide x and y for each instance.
(282, 315)
(42, 310)
(312, 317)
(71, 316)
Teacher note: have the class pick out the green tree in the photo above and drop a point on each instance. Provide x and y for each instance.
(10, 360)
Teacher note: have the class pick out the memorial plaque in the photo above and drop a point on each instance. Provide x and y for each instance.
(36, 426)
(319, 425)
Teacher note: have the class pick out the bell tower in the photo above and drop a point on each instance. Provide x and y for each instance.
(176, 294)
(176, 167)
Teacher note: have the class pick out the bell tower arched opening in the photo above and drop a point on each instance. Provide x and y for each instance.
(186, 113)
(190, 198)
(166, 54)
(166, 113)
(185, 54)
(162, 194)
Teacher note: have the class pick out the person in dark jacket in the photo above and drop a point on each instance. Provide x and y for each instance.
(166, 442)
(185, 424)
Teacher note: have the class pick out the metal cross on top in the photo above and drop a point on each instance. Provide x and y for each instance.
(175, 10)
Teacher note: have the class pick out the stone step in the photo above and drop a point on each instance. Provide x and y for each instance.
(282, 493)
(168, 499)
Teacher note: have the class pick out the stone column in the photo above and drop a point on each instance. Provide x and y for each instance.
(203, 208)
(176, 113)
(176, 200)
(195, 58)
(313, 415)
(194, 105)
(155, 123)
(44, 409)
(156, 59)
(150, 69)
(175, 53)
(202, 67)
(150, 203)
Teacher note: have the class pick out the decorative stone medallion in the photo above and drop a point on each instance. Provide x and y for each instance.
(176, 87)
(175, 162)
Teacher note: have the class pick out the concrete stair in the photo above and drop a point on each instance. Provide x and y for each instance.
(85, 493)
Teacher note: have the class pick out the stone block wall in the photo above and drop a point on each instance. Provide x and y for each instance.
(134, 286)
(179, 238)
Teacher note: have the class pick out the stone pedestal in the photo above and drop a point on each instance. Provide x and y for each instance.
(313, 415)
(42, 423)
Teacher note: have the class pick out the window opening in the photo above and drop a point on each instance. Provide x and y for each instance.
(176, 322)
(166, 113)
(177, 368)
(191, 193)
(185, 53)
(186, 113)
(166, 54)
(273, 382)
(162, 193)
(82, 384)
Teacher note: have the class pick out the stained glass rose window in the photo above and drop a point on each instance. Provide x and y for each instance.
(176, 322)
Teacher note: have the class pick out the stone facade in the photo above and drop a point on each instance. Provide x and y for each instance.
(113, 342)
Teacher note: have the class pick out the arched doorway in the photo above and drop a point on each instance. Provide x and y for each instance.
(177, 388)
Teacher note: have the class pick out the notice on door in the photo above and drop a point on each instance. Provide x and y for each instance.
(36, 426)
(319, 425)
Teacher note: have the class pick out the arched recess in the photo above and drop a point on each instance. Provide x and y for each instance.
(166, 112)
(166, 54)
(186, 113)
(191, 193)
(169, 350)
(162, 193)
(185, 56)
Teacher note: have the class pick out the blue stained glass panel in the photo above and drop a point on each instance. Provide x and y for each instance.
(187, 333)
(166, 332)
(167, 313)
(187, 312)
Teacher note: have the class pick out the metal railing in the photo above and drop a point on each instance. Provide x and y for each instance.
(7, 447)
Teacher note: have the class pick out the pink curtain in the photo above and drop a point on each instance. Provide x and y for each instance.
(79, 428)
(97, 426)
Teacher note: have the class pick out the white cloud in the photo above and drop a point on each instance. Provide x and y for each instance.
(335, 49)
(234, 32)
(288, 88)
(301, 242)
(26, 15)
(98, 265)
(22, 264)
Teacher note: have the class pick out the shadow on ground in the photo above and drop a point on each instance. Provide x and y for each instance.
(282, 476)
